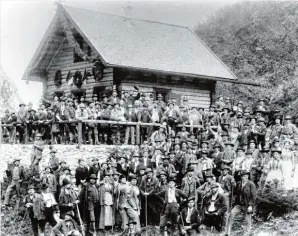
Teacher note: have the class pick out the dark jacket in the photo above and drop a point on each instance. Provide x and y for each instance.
(149, 187)
(28, 200)
(81, 174)
(10, 170)
(189, 186)
(248, 192)
(180, 196)
(194, 218)
(228, 183)
(220, 203)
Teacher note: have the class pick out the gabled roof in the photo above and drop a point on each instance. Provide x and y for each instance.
(146, 44)
(141, 44)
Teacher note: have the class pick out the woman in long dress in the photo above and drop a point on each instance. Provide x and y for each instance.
(287, 157)
(274, 169)
(106, 202)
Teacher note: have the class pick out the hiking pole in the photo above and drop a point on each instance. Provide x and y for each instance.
(80, 219)
(146, 223)
(22, 221)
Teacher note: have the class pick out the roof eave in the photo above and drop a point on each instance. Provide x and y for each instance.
(211, 78)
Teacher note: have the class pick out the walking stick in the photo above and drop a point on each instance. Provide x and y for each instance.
(80, 219)
(146, 223)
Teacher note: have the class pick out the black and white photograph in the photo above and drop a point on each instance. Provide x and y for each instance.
(148, 118)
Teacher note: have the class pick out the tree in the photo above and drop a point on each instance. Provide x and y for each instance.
(8, 93)
(258, 42)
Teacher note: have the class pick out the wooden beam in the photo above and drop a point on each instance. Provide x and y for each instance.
(50, 63)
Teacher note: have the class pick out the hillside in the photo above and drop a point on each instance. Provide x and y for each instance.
(9, 97)
(258, 41)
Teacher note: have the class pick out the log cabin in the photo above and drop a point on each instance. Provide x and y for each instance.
(85, 52)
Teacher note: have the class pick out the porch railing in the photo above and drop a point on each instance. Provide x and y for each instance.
(137, 125)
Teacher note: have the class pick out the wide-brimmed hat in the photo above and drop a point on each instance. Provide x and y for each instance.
(240, 149)
(214, 185)
(16, 159)
(38, 135)
(249, 152)
(244, 172)
(229, 143)
(148, 170)
(159, 95)
(131, 177)
(53, 151)
(172, 178)
(31, 187)
(22, 105)
(278, 150)
(192, 198)
(225, 167)
(209, 175)
(65, 182)
(116, 173)
(70, 213)
(44, 186)
(190, 169)
(92, 176)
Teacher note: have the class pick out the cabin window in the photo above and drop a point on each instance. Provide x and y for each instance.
(58, 94)
(99, 91)
(83, 45)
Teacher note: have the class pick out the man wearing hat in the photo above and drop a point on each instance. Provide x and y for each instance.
(171, 117)
(161, 104)
(50, 180)
(130, 116)
(145, 159)
(163, 180)
(15, 173)
(237, 163)
(213, 117)
(37, 150)
(131, 229)
(166, 167)
(114, 97)
(21, 121)
(155, 112)
(70, 115)
(28, 202)
(227, 181)
(215, 206)
(245, 197)
(54, 162)
(90, 204)
(276, 129)
(260, 131)
(206, 163)
(81, 173)
(190, 183)
(67, 199)
(158, 138)
(65, 226)
(31, 121)
(189, 219)
(172, 198)
(229, 154)
(145, 117)
(289, 128)
(148, 185)
(92, 127)
(134, 166)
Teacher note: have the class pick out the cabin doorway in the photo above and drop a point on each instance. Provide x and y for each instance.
(78, 94)
(164, 92)
(99, 91)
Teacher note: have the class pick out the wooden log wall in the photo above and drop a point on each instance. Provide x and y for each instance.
(63, 60)
(199, 92)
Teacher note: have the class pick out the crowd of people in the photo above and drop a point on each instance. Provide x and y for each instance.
(180, 179)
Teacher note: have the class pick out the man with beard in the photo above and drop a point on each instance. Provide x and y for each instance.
(67, 199)
(166, 167)
(28, 202)
(214, 209)
(190, 183)
(89, 198)
(150, 204)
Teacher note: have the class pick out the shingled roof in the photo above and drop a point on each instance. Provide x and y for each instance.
(146, 44)
(138, 44)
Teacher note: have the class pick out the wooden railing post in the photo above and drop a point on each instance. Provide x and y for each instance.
(138, 138)
(80, 134)
(26, 134)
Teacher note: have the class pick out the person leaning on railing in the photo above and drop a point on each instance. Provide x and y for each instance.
(82, 114)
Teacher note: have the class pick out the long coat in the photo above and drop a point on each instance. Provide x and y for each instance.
(227, 183)
(189, 186)
(249, 193)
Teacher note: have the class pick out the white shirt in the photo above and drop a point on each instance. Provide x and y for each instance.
(189, 211)
(171, 195)
(212, 204)
(49, 199)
